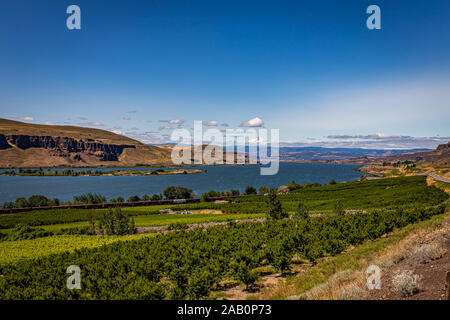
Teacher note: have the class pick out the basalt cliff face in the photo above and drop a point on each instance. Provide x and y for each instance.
(29, 145)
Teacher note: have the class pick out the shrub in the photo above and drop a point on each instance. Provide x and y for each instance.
(178, 226)
(429, 252)
(32, 201)
(243, 273)
(177, 193)
(302, 211)
(114, 222)
(22, 232)
(89, 198)
(133, 199)
(210, 194)
(157, 171)
(293, 186)
(249, 190)
(351, 292)
(407, 283)
(156, 197)
(232, 192)
(263, 190)
(75, 231)
(274, 209)
(339, 208)
(332, 181)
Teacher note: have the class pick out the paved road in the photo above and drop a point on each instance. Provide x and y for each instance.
(436, 177)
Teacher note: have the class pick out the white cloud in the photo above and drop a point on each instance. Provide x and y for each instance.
(212, 123)
(126, 118)
(176, 121)
(255, 122)
(27, 118)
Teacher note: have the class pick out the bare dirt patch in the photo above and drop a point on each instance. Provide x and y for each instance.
(432, 273)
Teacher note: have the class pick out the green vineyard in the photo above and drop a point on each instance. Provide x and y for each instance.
(36, 249)
(188, 264)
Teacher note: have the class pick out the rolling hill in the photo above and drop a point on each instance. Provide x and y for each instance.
(34, 145)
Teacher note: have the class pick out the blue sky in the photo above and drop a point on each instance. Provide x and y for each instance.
(310, 68)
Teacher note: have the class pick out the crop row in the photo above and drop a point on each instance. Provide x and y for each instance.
(188, 264)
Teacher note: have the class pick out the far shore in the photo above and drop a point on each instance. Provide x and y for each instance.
(87, 173)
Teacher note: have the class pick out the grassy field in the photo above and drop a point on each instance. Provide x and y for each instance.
(14, 251)
(165, 219)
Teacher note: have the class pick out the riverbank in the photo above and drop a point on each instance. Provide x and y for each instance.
(75, 173)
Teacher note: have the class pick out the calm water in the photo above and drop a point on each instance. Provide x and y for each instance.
(219, 178)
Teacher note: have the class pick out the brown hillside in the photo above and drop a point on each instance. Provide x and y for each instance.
(31, 145)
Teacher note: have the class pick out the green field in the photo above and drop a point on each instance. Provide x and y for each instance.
(165, 219)
(14, 251)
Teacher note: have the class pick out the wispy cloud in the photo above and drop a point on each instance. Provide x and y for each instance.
(376, 136)
(372, 141)
(91, 123)
(174, 121)
(149, 137)
(126, 118)
(25, 118)
(132, 111)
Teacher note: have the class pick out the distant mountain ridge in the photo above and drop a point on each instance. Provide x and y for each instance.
(331, 154)
(439, 156)
(322, 154)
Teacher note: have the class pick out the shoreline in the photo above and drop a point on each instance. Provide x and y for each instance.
(98, 173)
